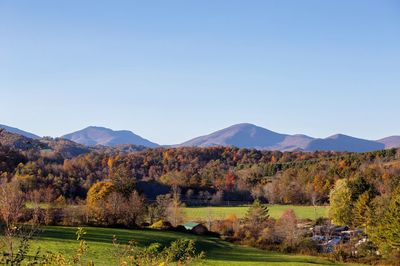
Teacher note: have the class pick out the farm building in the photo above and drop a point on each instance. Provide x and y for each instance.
(196, 228)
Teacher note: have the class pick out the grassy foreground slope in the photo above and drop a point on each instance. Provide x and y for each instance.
(218, 252)
(275, 211)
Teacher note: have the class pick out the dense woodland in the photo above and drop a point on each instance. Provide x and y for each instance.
(238, 174)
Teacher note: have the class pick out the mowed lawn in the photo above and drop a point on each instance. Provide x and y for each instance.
(218, 252)
(275, 211)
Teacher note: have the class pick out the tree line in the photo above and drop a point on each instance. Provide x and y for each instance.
(236, 174)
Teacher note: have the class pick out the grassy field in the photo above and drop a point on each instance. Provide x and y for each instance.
(218, 252)
(275, 211)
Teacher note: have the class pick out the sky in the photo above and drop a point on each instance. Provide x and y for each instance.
(173, 70)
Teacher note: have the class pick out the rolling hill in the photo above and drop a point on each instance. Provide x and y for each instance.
(46, 146)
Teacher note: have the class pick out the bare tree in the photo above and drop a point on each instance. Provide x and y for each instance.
(209, 217)
(174, 211)
(257, 192)
(217, 198)
(34, 199)
(14, 238)
(114, 208)
(49, 200)
(158, 210)
(135, 209)
(189, 195)
(271, 193)
(12, 202)
(287, 227)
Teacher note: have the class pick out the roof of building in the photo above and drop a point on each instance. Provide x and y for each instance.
(333, 242)
(190, 225)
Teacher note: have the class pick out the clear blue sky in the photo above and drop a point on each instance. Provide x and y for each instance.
(172, 70)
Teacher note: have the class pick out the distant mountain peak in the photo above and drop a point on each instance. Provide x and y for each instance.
(336, 136)
(243, 135)
(97, 135)
(341, 136)
(245, 126)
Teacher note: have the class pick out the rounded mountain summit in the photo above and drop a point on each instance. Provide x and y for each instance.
(92, 136)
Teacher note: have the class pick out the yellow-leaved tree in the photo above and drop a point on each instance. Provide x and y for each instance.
(95, 199)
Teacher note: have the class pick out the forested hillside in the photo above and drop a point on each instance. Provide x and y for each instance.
(239, 174)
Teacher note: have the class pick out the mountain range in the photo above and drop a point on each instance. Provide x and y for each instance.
(251, 136)
(240, 135)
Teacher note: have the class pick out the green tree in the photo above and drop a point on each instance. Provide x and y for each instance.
(256, 220)
(358, 186)
(362, 212)
(123, 180)
(341, 203)
(174, 210)
(257, 213)
(386, 234)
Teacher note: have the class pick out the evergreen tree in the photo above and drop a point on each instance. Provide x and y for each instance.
(386, 235)
(255, 220)
(340, 210)
(257, 213)
(362, 212)
(358, 186)
(392, 220)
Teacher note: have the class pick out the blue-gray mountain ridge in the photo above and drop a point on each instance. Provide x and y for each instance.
(251, 136)
(240, 135)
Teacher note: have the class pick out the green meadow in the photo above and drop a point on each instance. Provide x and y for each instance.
(275, 211)
(218, 252)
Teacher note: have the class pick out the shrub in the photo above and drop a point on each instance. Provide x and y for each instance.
(182, 251)
(161, 225)
(307, 246)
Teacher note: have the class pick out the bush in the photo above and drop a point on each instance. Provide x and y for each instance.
(366, 249)
(322, 221)
(307, 247)
(181, 251)
(393, 258)
(161, 225)
(180, 228)
(340, 253)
